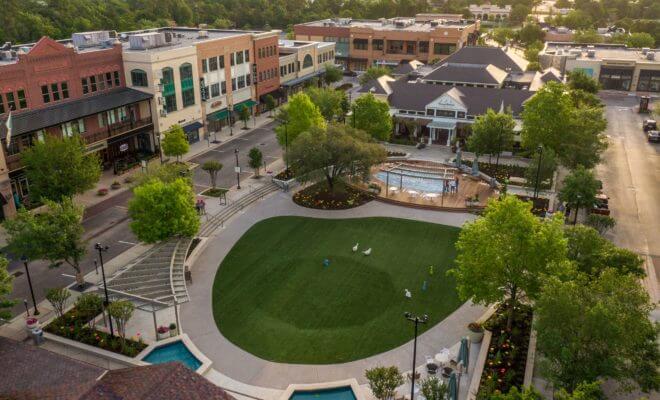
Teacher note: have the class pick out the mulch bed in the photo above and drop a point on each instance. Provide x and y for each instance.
(217, 192)
(285, 175)
(318, 196)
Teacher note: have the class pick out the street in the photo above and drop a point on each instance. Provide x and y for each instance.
(630, 172)
(107, 222)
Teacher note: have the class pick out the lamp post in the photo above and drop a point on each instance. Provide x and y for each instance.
(27, 273)
(231, 123)
(101, 249)
(538, 172)
(27, 310)
(238, 171)
(416, 320)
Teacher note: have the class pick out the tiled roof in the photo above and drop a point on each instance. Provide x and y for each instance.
(380, 85)
(468, 73)
(481, 55)
(406, 67)
(415, 96)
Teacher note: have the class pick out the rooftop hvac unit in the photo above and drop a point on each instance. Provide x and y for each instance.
(591, 53)
(145, 41)
(5, 55)
(650, 56)
(88, 39)
(645, 50)
(202, 34)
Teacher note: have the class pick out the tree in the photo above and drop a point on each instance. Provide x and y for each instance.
(494, 133)
(505, 253)
(161, 210)
(591, 254)
(373, 73)
(601, 223)
(54, 235)
(579, 189)
(60, 167)
(530, 33)
(270, 103)
(587, 36)
(121, 311)
(332, 74)
(244, 114)
(301, 115)
(6, 284)
(528, 393)
(502, 35)
(372, 116)
(548, 166)
(597, 329)
(577, 19)
(90, 305)
(639, 40)
(333, 152)
(57, 297)
(329, 102)
(519, 13)
(175, 143)
(256, 159)
(165, 173)
(212, 167)
(532, 52)
(434, 389)
(383, 381)
(578, 79)
(583, 391)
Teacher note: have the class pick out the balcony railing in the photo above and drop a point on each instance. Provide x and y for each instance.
(116, 129)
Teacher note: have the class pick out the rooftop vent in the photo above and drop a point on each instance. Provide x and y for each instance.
(144, 41)
(650, 56)
(90, 39)
(645, 50)
(202, 34)
(591, 53)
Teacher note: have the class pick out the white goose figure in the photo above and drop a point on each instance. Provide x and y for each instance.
(367, 251)
(355, 248)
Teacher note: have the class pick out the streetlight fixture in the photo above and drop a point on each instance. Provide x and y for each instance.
(27, 273)
(416, 320)
(238, 171)
(538, 172)
(101, 249)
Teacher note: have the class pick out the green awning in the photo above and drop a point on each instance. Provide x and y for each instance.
(247, 103)
(218, 115)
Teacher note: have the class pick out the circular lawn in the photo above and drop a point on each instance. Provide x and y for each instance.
(274, 297)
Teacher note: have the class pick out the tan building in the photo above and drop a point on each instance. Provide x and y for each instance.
(301, 61)
(363, 43)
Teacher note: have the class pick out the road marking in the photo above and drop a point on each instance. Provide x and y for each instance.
(131, 243)
(69, 276)
(219, 151)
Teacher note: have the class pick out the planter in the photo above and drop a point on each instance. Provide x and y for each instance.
(173, 332)
(476, 334)
(115, 185)
(31, 323)
(163, 335)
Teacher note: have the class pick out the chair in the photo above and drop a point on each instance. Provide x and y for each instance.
(431, 366)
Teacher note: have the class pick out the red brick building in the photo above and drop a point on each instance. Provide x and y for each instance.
(266, 64)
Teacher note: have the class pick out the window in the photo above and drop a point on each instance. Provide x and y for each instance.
(44, 94)
(429, 111)
(169, 93)
(213, 64)
(411, 47)
(73, 128)
(248, 79)
(360, 44)
(2, 105)
(307, 61)
(92, 82)
(221, 61)
(11, 102)
(205, 65)
(215, 90)
(247, 55)
(101, 120)
(116, 76)
(460, 114)
(282, 73)
(223, 87)
(65, 91)
(291, 68)
(108, 79)
(241, 82)
(233, 83)
(377, 44)
(101, 82)
(261, 77)
(12, 147)
(85, 87)
(649, 81)
(239, 57)
(260, 53)
(445, 113)
(443, 48)
(122, 113)
(55, 91)
(232, 59)
(139, 78)
(187, 86)
(395, 46)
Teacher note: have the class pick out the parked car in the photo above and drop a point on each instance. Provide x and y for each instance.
(653, 136)
(601, 211)
(602, 201)
(650, 125)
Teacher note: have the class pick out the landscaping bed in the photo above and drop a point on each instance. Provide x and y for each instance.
(504, 171)
(285, 175)
(507, 354)
(319, 196)
(404, 140)
(396, 154)
(214, 192)
(74, 325)
(539, 205)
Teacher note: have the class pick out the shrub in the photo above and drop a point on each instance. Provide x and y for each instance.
(58, 297)
(102, 192)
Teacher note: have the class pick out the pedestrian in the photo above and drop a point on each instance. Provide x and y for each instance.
(456, 182)
(202, 204)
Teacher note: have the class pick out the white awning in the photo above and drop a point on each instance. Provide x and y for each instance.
(442, 124)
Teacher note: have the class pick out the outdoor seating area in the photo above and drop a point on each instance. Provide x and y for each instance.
(430, 184)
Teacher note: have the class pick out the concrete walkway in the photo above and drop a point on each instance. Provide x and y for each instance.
(197, 317)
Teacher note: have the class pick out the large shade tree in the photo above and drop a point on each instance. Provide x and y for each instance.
(372, 116)
(329, 102)
(175, 143)
(579, 190)
(298, 116)
(60, 167)
(504, 254)
(492, 133)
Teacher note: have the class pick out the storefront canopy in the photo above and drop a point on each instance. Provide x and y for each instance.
(192, 127)
(438, 124)
(218, 115)
(247, 103)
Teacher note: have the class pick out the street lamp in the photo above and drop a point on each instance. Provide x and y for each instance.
(238, 171)
(101, 249)
(416, 320)
(538, 171)
(27, 273)
(229, 117)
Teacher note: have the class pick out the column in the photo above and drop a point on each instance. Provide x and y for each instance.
(449, 136)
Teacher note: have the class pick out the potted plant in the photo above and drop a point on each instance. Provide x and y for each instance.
(31, 323)
(476, 332)
(173, 331)
(115, 185)
(163, 332)
(102, 192)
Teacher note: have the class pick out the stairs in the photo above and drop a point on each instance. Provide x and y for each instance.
(219, 219)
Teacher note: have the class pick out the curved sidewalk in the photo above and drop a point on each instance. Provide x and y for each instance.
(197, 315)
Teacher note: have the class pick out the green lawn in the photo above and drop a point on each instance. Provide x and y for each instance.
(273, 297)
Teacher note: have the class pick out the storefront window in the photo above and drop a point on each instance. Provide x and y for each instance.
(444, 48)
(649, 81)
(139, 78)
(187, 87)
(615, 78)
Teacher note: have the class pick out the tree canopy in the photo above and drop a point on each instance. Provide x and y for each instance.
(492, 133)
(579, 188)
(6, 286)
(373, 73)
(60, 167)
(579, 80)
(372, 116)
(329, 101)
(332, 74)
(175, 143)
(298, 116)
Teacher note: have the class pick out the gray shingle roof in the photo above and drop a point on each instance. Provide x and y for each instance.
(484, 55)
(59, 113)
(468, 73)
(415, 96)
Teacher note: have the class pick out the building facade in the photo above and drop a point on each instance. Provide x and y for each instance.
(66, 89)
(363, 43)
(302, 61)
(490, 12)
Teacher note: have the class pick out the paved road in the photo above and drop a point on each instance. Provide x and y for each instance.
(630, 172)
(107, 222)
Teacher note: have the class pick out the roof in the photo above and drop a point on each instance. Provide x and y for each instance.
(601, 51)
(415, 96)
(399, 24)
(160, 381)
(36, 373)
(543, 77)
(406, 67)
(380, 85)
(68, 111)
(483, 55)
(468, 73)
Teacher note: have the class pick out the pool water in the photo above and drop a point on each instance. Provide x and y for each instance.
(415, 180)
(175, 351)
(340, 393)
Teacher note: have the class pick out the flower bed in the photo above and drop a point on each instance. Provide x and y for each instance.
(507, 354)
(214, 192)
(74, 325)
(318, 196)
(285, 175)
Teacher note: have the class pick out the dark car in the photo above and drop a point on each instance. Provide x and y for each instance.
(653, 136)
(649, 125)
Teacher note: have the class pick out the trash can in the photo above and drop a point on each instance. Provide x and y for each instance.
(37, 336)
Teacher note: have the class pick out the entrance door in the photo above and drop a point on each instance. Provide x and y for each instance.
(193, 136)
(616, 78)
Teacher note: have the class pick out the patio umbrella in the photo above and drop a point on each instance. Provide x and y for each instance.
(464, 354)
(453, 387)
(475, 166)
(458, 157)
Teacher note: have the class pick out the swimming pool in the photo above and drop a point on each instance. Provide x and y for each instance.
(410, 179)
(175, 351)
(338, 393)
